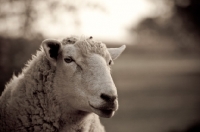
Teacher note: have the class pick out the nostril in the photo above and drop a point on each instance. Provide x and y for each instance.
(108, 98)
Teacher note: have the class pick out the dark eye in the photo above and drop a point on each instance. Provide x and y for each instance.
(68, 60)
(110, 62)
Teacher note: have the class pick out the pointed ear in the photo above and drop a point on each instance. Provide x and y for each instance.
(116, 52)
(52, 48)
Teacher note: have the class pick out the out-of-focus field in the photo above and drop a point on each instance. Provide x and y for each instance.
(157, 92)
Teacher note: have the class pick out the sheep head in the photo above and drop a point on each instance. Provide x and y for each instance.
(82, 80)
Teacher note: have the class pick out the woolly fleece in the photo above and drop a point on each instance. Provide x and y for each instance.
(28, 103)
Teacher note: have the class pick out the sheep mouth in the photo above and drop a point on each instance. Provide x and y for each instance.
(103, 111)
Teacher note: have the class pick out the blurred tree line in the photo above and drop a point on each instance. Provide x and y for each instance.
(189, 13)
(20, 17)
(177, 29)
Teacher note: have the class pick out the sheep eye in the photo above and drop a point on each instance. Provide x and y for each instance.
(68, 60)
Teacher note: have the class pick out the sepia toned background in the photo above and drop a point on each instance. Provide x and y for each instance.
(158, 75)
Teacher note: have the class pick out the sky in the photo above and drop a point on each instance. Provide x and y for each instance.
(121, 15)
(111, 25)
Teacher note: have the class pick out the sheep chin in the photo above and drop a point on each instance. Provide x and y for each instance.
(105, 113)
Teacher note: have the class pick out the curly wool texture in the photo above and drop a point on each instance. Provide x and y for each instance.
(28, 102)
(87, 46)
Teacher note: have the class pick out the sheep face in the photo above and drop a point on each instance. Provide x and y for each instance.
(83, 81)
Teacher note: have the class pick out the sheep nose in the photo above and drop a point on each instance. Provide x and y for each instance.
(108, 98)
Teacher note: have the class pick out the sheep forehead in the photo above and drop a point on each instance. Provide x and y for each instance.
(69, 50)
(87, 46)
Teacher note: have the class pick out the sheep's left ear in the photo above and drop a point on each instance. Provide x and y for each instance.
(52, 48)
(116, 52)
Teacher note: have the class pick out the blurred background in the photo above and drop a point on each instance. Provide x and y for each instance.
(158, 75)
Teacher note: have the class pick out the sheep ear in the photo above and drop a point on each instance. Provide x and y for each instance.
(52, 48)
(116, 52)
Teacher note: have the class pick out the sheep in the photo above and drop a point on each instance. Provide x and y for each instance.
(64, 88)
